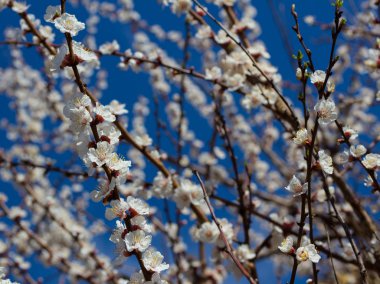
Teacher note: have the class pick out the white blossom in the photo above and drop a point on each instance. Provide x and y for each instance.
(68, 23)
(208, 232)
(104, 112)
(308, 252)
(301, 137)
(137, 240)
(138, 206)
(286, 245)
(326, 111)
(357, 150)
(109, 47)
(152, 260)
(117, 108)
(350, 133)
(181, 6)
(214, 73)
(19, 7)
(52, 13)
(318, 78)
(101, 154)
(244, 253)
(325, 161)
(143, 140)
(296, 187)
(188, 193)
(371, 161)
(117, 210)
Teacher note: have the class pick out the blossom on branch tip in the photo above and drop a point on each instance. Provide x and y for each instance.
(109, 47)
(104, 112)
(52, 13)
(188, 193)
(325, 109)
(318, 78)
(244, 253)
(117, 108)
(308, 252)
(137, 240)
(181, 6)
(350, 133)
(153, 260)
(325, 161)
(286, 245)
(63, 59)
(357, 150)
(301, 137)
(208, 232)
(117, 210)
(68, 23)
(137, 206)
(371, 161)
(296, 187)
(19, 7)
(101, 154)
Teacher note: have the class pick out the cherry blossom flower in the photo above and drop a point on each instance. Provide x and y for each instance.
(143, 140)
(302, 137)
(117, 233)
(318, 78)
(162, 186)
(102, 190)
(137, 240)
(19, 7)
(204, 32)
(104, 113)
(296, 187)
(83, 53)
(117, 210)
(371, 161)
(68, 23)
(308, 252)
(357, 150)
(325, 161)
(325, 109)
(244, 253)
(153, 260)
(181, 6)
(141, 223)
(138, 206)
(222, 38)
(214, 73)
(117, 108)
(101, 154)
(80, 120)
(350, 133)
(52, 13)
(63, 58)
(208, 232)
(111, 133)
(286, 245)
(188, 193)
(109, 47)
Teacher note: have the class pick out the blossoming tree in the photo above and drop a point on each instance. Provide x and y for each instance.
(221, 165)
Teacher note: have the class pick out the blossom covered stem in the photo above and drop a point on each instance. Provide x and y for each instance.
(254, 63)
(228, 248)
